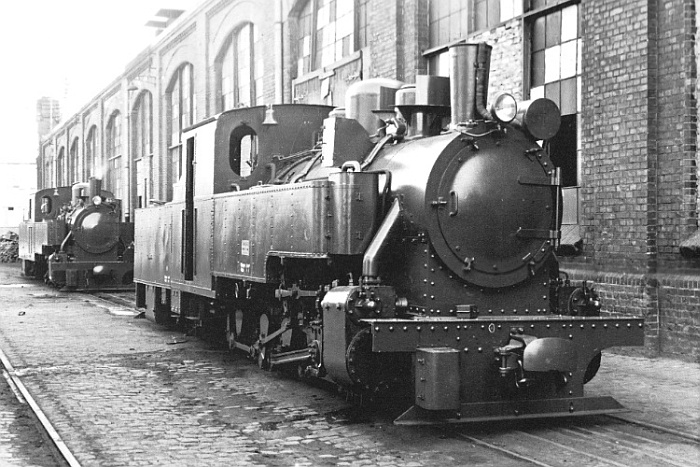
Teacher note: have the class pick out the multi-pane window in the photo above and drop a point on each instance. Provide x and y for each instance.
(490, 13)
(452, 20)
(143, 126)
(555, 73)
(326, 33)
(181, 115)
(48, 175)
(61, 167)
(449, 21)
(114, 154)
(90, 152)
(362, 19)
(242, 69)
(48, 179)
(556, 64)
(74, 169)
(142, 130)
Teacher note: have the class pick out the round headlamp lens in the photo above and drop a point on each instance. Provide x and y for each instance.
(504, 108)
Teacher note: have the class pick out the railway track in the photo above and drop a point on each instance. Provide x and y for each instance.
(59, 449)
(592, 441)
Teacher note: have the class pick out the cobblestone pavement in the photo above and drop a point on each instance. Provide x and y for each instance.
(141, 395)
(658, 391)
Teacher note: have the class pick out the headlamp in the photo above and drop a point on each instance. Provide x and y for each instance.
(504, 108)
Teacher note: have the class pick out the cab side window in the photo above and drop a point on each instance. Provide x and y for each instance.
(243, 150)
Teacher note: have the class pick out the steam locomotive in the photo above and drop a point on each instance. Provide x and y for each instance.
(75, 239)
(403, 244)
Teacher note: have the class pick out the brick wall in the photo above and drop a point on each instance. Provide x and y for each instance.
(676, 147)
(382, 37)
(415, 25)
(616, 118)
(506, 73)
(639, 165)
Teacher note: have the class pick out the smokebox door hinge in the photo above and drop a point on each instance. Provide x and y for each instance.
(538, 233)
(554, 179)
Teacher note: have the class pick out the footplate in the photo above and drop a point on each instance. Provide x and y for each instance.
(406, 335)
(502, 368)
(512, 410)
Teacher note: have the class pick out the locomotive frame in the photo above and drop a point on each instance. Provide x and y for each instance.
(384, 252)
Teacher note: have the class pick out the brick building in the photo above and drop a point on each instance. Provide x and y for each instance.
(624, 74)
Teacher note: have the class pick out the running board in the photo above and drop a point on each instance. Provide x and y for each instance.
(513, 410)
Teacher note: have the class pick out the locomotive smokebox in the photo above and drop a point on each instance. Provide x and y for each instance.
(469, 81)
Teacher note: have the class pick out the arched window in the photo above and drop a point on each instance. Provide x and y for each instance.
(114, 154)
(48, 180)
(74, 168)
(90, 152)
(181, 110)
(143, 125)
(142, 129)
(241, 69)
(243, 150)
(61, 167)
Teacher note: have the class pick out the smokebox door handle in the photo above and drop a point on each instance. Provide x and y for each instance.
(454, 203)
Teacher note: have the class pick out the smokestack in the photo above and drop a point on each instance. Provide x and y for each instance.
(95, 187)
(469, 81)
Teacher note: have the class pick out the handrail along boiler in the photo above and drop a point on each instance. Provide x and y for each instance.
(396, 254)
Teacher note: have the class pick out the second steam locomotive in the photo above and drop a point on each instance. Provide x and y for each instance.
(74, 239)
(382, 249)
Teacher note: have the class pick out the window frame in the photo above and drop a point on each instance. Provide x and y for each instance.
(90, 152)
(113, 156)
(60, 166)
(228, 61)
(178, 119)
(74, 164)
(316, 65)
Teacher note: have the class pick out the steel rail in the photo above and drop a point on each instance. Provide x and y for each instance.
(653, 453)
(653, 426)
(505, 451)
(60, 446)
(569, 448)
(649, 450)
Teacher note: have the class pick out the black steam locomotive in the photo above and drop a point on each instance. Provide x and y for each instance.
(406, 243)
(75, 239)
